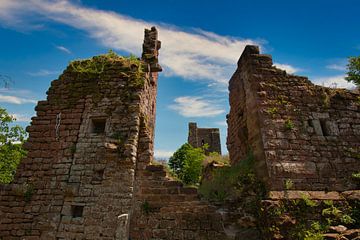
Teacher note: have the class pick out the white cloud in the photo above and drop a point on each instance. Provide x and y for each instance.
(196, 107)
(163, 154)
(64, 49)
(15, 99)
(43, 72)
(193, 55)
(337, 67)
(334, 81)
(287, 67)
(21, 117)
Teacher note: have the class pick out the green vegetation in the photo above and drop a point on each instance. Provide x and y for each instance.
(282, 101)
(289, 125)
(288, 184)
(273, 111)
(11, 151)
(92, 72)
(295, 218)
(353, 73)
(232, 182)
(216, 158)
(186, 163)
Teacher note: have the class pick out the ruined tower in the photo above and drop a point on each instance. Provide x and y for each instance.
(198, 137)
(88, 138)
(297, 131)
(88, 172)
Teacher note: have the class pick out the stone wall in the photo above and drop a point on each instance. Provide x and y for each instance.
(165, 209)
(199, 136)
(77, 180)
(298, 132)
(88, 172)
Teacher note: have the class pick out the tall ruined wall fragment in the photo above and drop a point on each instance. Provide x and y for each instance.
(78, 178)
(162, 207)
(297, 131)
(88, 171)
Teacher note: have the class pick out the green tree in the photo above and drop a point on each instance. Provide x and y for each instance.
(354, 71)
(186, 162)
(11, 151)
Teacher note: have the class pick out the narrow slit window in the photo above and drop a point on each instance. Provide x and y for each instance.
(324, 128)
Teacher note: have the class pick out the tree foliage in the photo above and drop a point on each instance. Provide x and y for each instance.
(11, 151)
(186, 162)
(354, 70)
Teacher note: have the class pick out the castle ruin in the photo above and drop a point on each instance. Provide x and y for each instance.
(88, 173)
(297, 130)
(198, 137)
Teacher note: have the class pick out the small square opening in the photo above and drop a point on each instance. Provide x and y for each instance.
(98, 125)
(77, 211)
(98, 176)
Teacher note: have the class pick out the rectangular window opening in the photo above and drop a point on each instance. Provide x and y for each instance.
(77, 211)
(98, 176)
(98, 125)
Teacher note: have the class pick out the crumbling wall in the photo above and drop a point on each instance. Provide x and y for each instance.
(88, 171)
(78, 178)
(199, 136)
(162, 207)
(299, 132)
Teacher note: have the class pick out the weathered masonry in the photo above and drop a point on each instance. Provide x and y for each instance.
(198, 137)
(88, 171)
(297, 131)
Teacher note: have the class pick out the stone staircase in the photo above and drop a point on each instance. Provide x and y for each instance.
(169, 210)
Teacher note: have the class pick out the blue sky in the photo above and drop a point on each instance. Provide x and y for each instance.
(202, 41)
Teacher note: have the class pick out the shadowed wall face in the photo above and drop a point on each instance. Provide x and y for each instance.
(198, 137)
(296, 130)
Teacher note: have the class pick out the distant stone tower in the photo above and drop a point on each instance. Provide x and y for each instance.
(200, 136)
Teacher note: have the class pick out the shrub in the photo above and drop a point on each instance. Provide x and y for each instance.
(232, 182)
(186, 162)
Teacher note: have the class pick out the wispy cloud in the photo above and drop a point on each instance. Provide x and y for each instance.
(43, 72)
(338, 64)
(21, 117)
(63, 49)
(337, 67)
(196, 107)
(15, 99)
(163, 154)
(287, 67)
(334, 81)
(194, 55)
